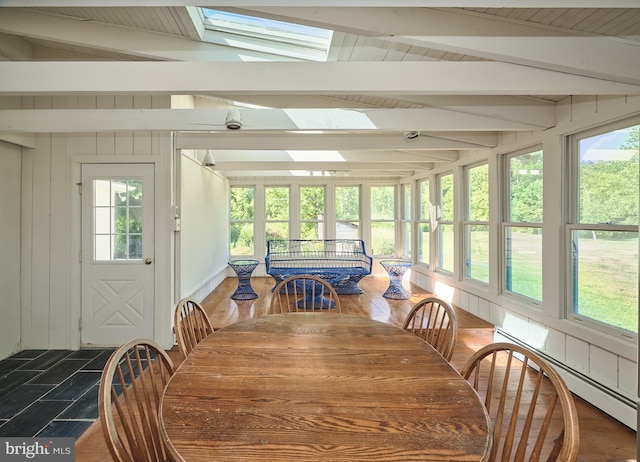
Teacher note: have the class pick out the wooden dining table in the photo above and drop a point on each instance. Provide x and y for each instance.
(320, 386)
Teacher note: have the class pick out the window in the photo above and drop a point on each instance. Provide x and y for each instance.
(276, 206)
(406, 221)
(242, 216)
(266, 35)
(117, 212)
(446, 244)
(424, 223)
(312, 212)
(476, 224)
(383, 225)
(348, 212)
(522, 226)
(603, 233)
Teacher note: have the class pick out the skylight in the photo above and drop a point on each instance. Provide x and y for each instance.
(266, 35)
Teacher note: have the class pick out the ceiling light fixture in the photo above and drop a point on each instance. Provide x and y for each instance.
(208, 160)
(234, 120)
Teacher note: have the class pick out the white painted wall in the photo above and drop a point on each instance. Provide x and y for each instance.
(50, 284)
(204, 230)
(10, 172)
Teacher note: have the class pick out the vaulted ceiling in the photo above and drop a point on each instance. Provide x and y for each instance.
(457, 75)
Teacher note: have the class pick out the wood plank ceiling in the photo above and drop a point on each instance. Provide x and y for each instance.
(458, 76)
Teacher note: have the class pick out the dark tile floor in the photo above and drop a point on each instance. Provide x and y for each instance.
(51, 393)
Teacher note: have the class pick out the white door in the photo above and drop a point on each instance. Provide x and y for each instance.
(117, 253)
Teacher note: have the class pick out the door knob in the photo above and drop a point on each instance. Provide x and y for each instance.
(147, 261)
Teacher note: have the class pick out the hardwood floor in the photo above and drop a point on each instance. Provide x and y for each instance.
(602, 437)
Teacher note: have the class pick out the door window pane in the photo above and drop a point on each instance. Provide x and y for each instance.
(117, 219)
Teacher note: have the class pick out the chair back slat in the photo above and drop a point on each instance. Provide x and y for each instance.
(533, 414)
(131, 388)
(191, 324)
(434, 321)
(302, 293)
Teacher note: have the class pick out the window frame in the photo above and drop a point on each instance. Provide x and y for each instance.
(406, 220)
(573, 224)
(423, 253)
(393, 220)
(468, 223)
(439, 222)
(336, 220)
(268, 221)
(318, 223)
(260, 34)
(506, 224)
(252, 222)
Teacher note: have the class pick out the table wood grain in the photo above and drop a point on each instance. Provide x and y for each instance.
(310, 386)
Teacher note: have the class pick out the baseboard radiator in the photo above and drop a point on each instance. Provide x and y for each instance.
(619, 406)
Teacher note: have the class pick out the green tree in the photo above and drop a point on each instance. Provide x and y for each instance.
(242, 203)
(242, 215)
(347, 203)
(128, 219)
(526, 173)
(277, 203)
(609, 187)
(382, 202)
(446, 197)
(311, 203)
(479, 193)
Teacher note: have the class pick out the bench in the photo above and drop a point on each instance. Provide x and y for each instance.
(341, 262)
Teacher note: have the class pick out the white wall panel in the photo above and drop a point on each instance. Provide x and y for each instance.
(35, 325)
(204, 241)
(556, 345)
(627, 376)
(60, 210)
(10, 167)
(603, 366)
(50, 279)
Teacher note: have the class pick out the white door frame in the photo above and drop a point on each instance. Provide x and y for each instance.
(163, 245)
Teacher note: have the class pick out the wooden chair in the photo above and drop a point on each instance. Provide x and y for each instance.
(434, 321)
(301, 293)
(191, 325)
(531, 408)
(131, 387)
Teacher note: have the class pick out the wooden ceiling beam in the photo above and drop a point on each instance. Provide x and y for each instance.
(296, 78)
(331, 3)
(253, 120)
